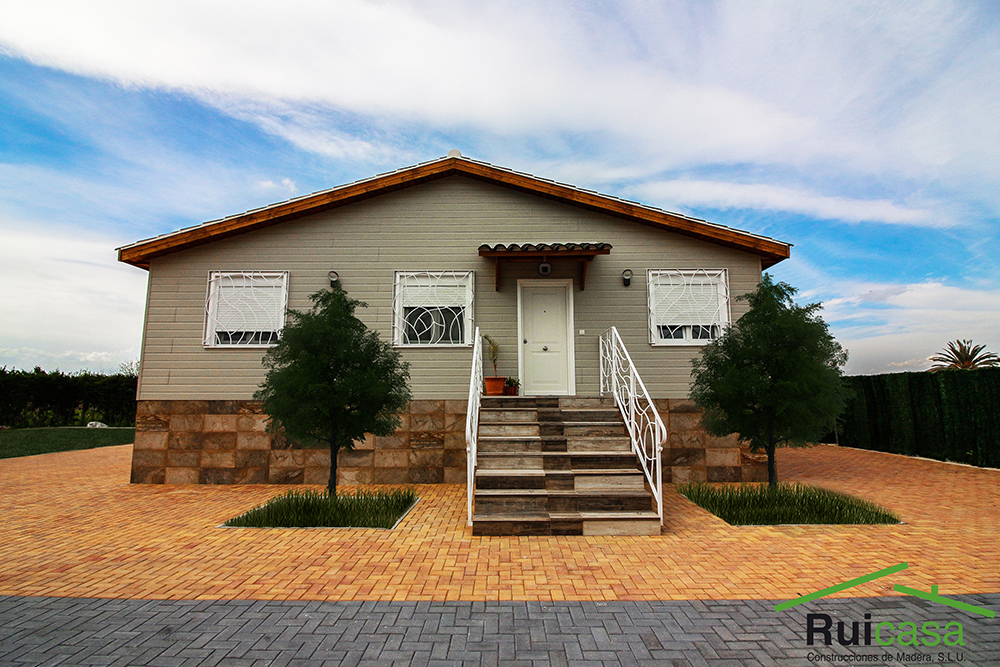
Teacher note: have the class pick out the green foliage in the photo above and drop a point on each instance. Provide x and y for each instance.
(331, 379)
(308, 508)
(39, 398)
(493, 350)
(31, 441)
(766, 505)
(943, 416)
(963, 355)
(774, 376)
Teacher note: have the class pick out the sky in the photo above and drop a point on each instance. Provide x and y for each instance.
(866, 134)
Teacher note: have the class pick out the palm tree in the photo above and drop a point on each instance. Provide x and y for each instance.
(963, 355)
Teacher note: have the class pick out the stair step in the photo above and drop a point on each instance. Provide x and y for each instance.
(567, 523)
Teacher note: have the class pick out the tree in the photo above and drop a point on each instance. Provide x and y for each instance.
(773, 377)
(963, 355)
(331, 379)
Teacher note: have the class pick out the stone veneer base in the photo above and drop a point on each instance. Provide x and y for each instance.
(226, 442)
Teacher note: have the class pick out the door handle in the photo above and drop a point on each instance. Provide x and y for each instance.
(525, 341)
(545, 348)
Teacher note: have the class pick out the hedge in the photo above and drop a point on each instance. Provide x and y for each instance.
(38, 398)
(948, 415)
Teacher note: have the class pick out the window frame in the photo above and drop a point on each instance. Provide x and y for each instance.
(211, 329)
(465, 279)
(721, 318)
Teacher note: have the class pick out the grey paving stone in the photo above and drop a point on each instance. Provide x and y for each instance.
(121, 633)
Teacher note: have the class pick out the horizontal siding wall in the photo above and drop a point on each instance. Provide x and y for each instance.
(432, 227)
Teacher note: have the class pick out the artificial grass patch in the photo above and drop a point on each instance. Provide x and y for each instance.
(30, 441)
(317, 509)
(763, 505)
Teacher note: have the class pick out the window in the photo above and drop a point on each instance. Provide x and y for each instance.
(432, 308)
(687, 307)
(245, 308)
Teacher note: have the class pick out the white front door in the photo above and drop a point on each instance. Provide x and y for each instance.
(545, 332)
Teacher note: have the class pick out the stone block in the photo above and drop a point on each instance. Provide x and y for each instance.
(216, 476)
(454, 458)
(150, 440)
(722, 457)
(404, 424)
(454, 422)
(218, 440)
(724, 474)
(697, 474)
(180, 423)
(249, 407)
(662, 406)
(682, 405)
(220, 423)
(426, 458)
(250, 476)
(183, 458)
(456, 406)
(455, 441)
(392, 442)
(687, 456)
(433, 440)
(754, 472)
(353, 476)
(251, 423)
(212, 458)
(149, 458)
(252, 458)
(152, 422)
(317, 476)
(426, 407)
(391, 458)
(253, 441)
(355, 459)
(455, 475)
(285, 475)
(194, 408)
(720, 442)
(184, 440)
(426, 475)
(390, 476)
(181, 476)
(148, 408)
(367, 442)
(287, 458)
(431, 421)
(223, 407)
(686, 439)
(144, 475)
(685, 421)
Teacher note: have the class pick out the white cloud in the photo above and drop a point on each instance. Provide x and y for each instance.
(717, 194)
(286, 184)
(67, 302)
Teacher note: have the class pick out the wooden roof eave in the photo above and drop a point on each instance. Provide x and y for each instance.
(139, 254)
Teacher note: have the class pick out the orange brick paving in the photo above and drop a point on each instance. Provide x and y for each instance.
(72, 526)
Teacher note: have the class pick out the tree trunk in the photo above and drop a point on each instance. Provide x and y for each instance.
(331, 485)
(772, 471)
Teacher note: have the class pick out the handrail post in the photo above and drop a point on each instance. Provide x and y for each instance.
(472, 420)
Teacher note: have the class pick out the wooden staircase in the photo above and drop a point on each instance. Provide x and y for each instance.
(558, 466)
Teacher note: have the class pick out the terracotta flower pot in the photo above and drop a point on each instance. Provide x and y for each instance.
(494, 385)
(510, 391)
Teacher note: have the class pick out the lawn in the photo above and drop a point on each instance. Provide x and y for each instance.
(762, 505)
(316, 509)
(30, 441)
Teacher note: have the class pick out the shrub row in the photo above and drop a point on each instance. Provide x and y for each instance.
(37, 398)
(948, 416)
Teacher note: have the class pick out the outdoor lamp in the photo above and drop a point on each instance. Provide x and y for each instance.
(627, 277)
(334, 277)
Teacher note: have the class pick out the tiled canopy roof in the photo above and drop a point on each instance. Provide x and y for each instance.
(526, 252)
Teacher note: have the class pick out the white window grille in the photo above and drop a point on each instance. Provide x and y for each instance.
(687, 307)
(245, 308)
(432, 308)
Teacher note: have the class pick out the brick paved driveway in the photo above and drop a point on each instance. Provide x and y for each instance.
(177, 590)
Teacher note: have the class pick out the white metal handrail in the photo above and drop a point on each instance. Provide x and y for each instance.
(645, 428)
(472, 417)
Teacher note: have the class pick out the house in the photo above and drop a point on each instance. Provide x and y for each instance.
(437, 250)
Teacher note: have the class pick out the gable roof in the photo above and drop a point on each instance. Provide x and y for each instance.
(141, 252)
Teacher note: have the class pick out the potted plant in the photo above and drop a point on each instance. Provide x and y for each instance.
(495, 383)
(510, 386)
